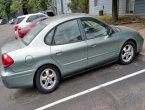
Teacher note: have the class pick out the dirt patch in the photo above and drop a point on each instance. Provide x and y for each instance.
(135, 22)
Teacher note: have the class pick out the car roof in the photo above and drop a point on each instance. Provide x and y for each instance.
(31, 15)
(65, 17)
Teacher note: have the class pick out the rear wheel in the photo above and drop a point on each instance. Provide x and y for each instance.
(127, 53)
(47, 79)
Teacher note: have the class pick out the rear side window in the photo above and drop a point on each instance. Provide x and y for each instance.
(19, 20)
(49, 36)
(33, 33)
(40, 16)
(31, 18)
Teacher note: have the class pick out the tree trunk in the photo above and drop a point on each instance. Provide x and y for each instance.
(24, 8)
(114, 10)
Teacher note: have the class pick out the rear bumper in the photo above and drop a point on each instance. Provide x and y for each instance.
(17, 80)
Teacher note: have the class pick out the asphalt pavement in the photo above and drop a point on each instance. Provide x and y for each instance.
(125, 94)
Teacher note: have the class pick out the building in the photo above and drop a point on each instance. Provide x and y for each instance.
(136, 7)
(62, 6)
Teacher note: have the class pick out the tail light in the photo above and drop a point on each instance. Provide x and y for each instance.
(20, 34)
(7, 60)
(16, 27)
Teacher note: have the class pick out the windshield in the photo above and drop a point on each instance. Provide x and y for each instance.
(33, 33)
(19, 20)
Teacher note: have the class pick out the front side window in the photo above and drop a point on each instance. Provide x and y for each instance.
(67, 33)
(93, 29)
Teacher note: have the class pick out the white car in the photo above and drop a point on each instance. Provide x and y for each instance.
(25, 20)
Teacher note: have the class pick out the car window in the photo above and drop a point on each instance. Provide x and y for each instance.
(40, 16)
(19, 20)
(33, 33)
(67, 33)
(49, 36)
(31, 18)
(93, 29)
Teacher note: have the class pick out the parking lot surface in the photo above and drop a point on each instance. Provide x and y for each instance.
(126, 94)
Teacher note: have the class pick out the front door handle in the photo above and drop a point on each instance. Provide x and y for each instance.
(59, 53)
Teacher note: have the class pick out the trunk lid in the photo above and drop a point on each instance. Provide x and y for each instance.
(12, 46)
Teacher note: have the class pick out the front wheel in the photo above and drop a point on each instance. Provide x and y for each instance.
(47, 79)
(127, 53)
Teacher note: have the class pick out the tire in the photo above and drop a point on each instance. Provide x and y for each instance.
(47, 79)
(127, 55)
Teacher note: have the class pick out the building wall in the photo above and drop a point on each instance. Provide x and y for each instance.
(139, 8)
(94, 10)
(66, 9)
(122, 7)
(107, 4)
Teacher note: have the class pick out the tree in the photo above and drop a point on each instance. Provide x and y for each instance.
(5, 8)
(79, 6)
(37, 5)
(16, 5)
(29, 6)
(115, 4)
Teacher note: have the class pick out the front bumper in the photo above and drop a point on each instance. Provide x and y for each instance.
(17, 80)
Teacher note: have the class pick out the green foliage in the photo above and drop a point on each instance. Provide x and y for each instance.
(31, 5)
(79, 6)
(37, 5)
(15, 6)
(5, 8)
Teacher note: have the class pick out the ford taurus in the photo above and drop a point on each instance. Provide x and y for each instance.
(63, 46)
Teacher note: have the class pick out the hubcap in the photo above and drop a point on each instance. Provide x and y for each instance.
(127, 53)
(48, 79)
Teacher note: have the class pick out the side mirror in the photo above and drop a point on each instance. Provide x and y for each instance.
(109, 31)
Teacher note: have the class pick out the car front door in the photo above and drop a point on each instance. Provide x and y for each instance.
(101, 47)
(69, 49)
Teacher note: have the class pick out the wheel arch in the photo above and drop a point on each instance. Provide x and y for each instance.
(46, 65)
(134, 41)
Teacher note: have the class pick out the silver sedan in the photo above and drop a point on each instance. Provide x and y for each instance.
(63, 46)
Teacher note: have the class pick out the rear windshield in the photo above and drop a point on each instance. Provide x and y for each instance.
(33, 33)
(19, 20)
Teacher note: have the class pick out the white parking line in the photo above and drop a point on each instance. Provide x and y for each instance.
(91, 90)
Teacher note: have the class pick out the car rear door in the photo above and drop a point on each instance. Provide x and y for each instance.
(101, 47)
(69, 49)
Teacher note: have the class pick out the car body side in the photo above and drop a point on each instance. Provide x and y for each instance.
(29, 58)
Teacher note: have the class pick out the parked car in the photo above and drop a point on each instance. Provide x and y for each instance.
(48, 12)
(25, 20)
(63, 46)
(22, 32)
(3, 21)
(12, 21)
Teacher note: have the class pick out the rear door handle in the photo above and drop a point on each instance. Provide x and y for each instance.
(59, 53)
(94, 45)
